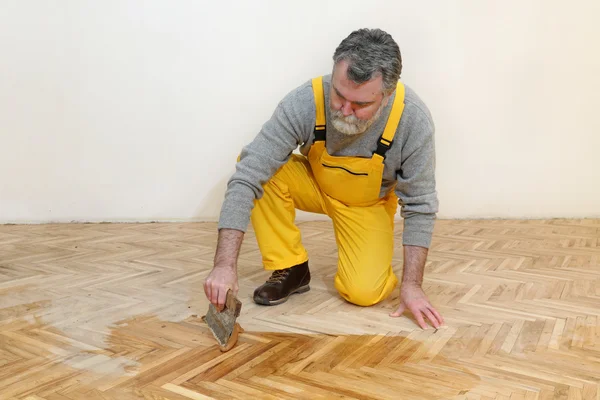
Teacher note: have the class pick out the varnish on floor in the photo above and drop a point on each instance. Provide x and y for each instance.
(112, 311)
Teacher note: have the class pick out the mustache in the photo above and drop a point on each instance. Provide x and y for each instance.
(337, 114)
(350, 124)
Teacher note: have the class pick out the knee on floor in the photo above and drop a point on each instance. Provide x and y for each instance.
(361, 295)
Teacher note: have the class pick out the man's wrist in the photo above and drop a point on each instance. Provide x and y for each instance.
(410, 285)
(225, 265)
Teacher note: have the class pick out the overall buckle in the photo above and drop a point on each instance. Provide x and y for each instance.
(383, 147)
(320, 132)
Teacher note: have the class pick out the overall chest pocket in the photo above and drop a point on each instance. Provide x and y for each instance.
(352, 183)
(345, 169)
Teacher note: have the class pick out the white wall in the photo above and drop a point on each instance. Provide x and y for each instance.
(107, 107)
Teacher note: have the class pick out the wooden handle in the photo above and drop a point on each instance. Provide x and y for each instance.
(232, 303)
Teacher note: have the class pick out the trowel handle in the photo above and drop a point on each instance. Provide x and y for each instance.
(232, 303)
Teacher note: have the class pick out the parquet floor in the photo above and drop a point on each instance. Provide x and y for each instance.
(112, 311)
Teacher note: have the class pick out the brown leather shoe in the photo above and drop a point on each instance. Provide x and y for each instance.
(283, 283)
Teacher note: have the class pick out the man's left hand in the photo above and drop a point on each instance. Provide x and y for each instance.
(413, 298)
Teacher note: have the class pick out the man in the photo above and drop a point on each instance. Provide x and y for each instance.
(367, 146)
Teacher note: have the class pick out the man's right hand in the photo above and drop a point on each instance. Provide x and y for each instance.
(223, 276)
(218, 282)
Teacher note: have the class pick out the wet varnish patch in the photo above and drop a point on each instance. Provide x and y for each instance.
(150, 358)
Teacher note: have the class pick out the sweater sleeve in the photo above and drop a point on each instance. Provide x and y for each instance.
(289, 126)
(416, 186)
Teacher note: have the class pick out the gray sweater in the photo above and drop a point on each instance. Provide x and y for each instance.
(410, 162)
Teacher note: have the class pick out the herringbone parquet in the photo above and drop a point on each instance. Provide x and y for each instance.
(112, 311)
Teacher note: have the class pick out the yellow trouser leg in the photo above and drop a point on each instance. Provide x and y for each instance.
(365, 239)
(273, 217)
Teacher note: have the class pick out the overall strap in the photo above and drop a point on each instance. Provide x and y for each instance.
(386, 140)
(320, 125)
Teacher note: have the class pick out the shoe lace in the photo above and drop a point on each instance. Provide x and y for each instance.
(278, 276)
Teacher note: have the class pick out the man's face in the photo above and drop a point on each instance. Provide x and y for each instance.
(354, 107)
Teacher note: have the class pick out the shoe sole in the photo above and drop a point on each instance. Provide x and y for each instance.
(265, 302)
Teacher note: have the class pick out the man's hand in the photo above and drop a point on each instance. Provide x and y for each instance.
(223, 276)
(411, 294)
(413, 298)
(218, 282)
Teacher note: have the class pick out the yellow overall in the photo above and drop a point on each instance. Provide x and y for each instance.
(347, 190)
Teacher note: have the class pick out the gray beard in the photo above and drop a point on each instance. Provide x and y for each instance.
(351, 125)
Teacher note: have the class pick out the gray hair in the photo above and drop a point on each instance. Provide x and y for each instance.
(369, 53)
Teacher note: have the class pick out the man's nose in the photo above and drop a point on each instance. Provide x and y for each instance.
(347, 108)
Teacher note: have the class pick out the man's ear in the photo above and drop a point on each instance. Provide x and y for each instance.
(387, 97)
